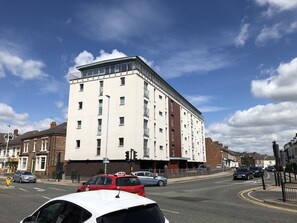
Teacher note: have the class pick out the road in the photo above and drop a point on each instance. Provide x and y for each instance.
(207, 200)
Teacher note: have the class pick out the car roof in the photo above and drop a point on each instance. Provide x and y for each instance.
(115, 175)
(102, 202)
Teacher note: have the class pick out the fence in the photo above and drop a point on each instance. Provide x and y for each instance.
(288, 183)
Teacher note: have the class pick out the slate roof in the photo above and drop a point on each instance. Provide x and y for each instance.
(58, 130)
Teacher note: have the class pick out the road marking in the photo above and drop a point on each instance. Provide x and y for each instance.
(38, 189)
(54, 188)
(46, 197)
(23, 189)
(174, 212)
(223, 181)
(260, 202)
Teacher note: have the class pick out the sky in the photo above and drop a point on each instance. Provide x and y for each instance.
(235, 61)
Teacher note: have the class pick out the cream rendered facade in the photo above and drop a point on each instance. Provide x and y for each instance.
(122, 104)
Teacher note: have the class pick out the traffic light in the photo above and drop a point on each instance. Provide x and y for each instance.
(127, 156)
(134, 155)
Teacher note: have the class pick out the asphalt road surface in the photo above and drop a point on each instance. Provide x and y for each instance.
(207, 200)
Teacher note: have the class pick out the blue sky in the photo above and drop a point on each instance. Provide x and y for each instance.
(236, 61)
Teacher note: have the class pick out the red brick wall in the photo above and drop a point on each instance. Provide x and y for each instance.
(213, 153)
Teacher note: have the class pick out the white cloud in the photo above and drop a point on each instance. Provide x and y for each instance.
(25, 69)
(243, 35)
(20, 121)
(254, 129)
(194, 61)
(200, 102)
(85, 58)
(275, 6)
(276, 32)
(281, 87)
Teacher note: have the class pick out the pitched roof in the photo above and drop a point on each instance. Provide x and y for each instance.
(18, 140)
(58, 130)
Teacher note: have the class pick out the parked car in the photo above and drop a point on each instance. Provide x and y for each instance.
(257, 171)
(243, 173)
(98, 206)
(24, 176)
(149, 179)
(123, 182)
(270, 168)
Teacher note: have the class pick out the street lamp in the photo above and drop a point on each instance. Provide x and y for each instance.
(106, 161)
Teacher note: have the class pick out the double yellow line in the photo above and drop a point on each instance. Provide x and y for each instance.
(256, 201)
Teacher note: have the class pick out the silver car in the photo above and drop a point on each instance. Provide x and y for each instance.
(24, 176)
(149, 179)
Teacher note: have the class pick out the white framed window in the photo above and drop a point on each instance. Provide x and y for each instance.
(41, 163)
(161, 147)
(23, 163)
(160, 113)
(44, 144)
(160, 130)
(26, 146)
(34, 145)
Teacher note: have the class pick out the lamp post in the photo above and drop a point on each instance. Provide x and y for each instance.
(106, 161)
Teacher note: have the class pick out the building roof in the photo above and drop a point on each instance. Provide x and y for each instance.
(18, 140)
(57, 130)
(137, 58)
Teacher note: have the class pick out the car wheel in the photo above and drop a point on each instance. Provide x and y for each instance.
(20, 180)
(161, 183)
(13, 180)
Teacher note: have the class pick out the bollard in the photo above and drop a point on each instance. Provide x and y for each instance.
(7, 181)
(263, 182)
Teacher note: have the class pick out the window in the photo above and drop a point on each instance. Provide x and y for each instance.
(26, 146)
(122, 100)
(98, 147)
(121, 141)
(160, 96)
(79, 124)
(99, 126)
(100, 88)
(100, 107)
(160, 113)
(80, 105)
(44, 144)
(77, 144)
(122, 81)
(40, 162)
(122, 120)
(160, 130)
(81, 87)
(24, 163)
(161, 147)
(34, 145)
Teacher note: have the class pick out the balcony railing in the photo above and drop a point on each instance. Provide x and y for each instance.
(146, 112)
(146, 132)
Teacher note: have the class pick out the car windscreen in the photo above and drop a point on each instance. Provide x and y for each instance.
(144, 214)
(27, 173)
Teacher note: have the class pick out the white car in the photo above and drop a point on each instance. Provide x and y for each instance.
(149, 179)
(98, 206)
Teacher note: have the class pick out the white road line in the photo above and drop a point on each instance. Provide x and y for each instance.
(223, 181)
(174, 212)
(23, 189)
(46, 197)
(38, 189)
(54, 188)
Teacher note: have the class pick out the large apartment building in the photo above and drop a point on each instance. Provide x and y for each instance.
(123, 104)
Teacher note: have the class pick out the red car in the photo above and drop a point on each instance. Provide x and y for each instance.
(128, 183)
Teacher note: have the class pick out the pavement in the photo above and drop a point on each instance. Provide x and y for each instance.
(271, 197)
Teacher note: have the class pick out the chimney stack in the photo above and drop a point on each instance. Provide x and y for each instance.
(53, 124)
(16, 133)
